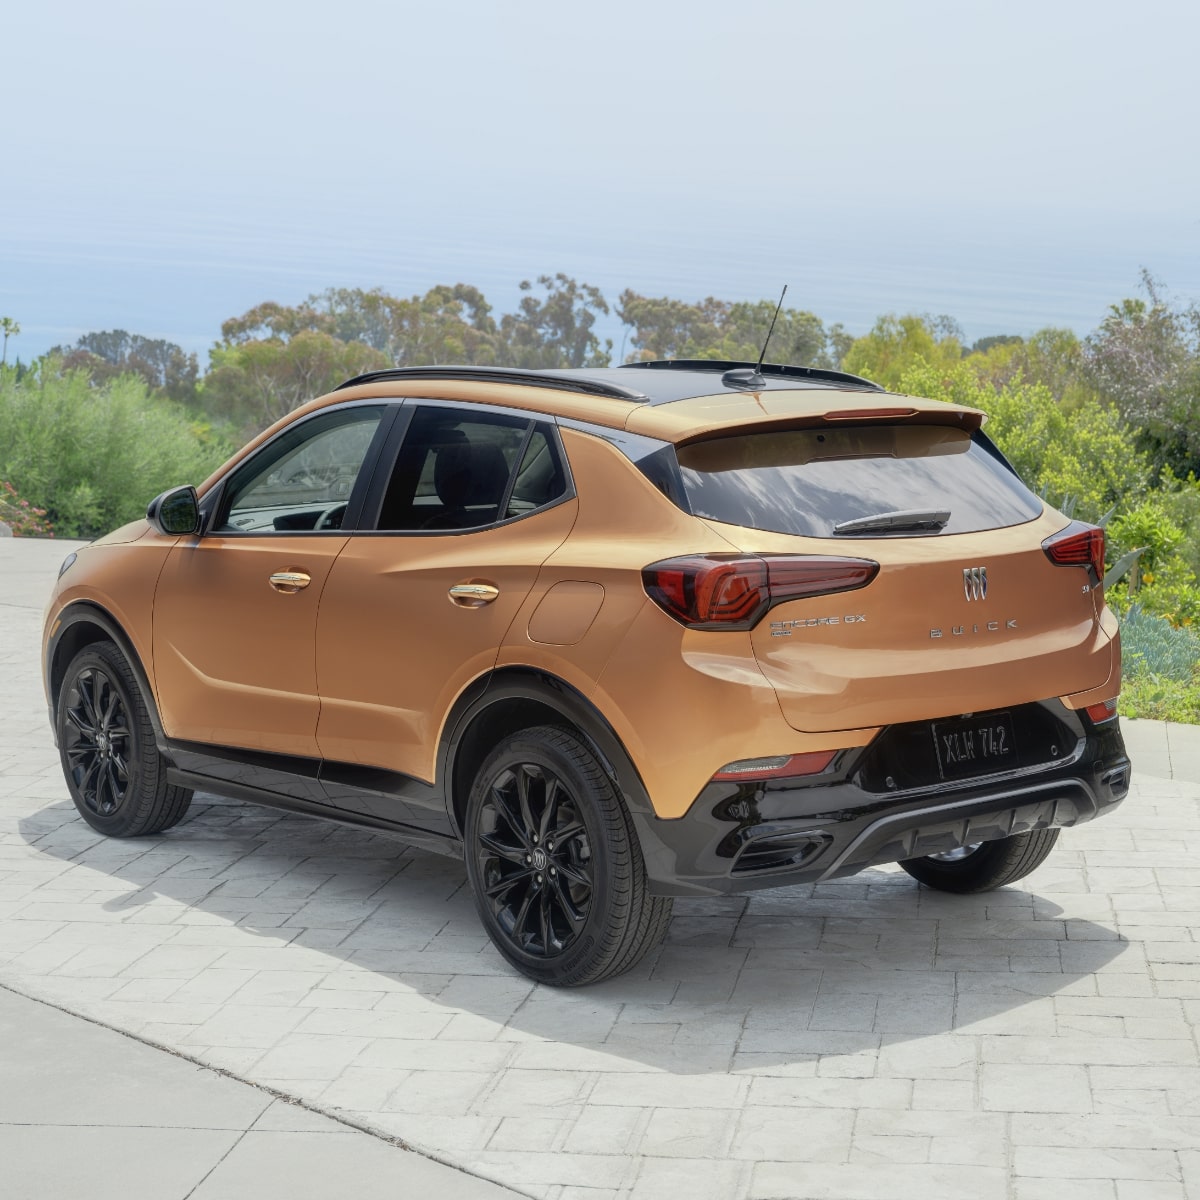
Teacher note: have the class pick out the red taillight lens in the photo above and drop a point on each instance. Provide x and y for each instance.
(1078, 545)
(714, 591)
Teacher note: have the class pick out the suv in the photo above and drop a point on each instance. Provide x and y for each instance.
(613, 636)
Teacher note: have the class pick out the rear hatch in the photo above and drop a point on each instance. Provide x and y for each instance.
(966, 613)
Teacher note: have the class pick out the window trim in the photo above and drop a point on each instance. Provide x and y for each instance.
(398, 434)
(213, 506)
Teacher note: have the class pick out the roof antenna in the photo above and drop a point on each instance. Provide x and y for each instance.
(747, 378)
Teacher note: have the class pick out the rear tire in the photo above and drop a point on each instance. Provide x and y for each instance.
(555, 864)
(990, 865)
(113, 769)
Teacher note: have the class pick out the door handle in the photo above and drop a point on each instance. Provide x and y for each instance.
(473, 595)
(289, 582)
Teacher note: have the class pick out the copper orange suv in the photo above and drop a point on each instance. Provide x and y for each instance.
(613, 636)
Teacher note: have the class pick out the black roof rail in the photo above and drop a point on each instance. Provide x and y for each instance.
(775, 370)
(563, 382)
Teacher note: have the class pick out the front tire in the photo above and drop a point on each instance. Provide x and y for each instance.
(987, 866)
(555, 865)
(114, 772)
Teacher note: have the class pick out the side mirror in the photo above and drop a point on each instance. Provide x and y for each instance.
(175, 512)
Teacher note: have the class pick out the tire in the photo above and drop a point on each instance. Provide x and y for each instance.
(555, 865)
(987, 866)
(113, 769)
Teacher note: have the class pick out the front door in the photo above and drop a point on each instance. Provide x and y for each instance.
(236, 609)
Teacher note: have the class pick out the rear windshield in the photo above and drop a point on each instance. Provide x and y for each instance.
(806, 481)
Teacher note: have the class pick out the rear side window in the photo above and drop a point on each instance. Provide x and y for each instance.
(806, 481)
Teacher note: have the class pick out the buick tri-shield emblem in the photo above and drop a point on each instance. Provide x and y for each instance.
(975, 583)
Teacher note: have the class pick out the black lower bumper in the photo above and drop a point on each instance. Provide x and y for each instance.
(742, 837)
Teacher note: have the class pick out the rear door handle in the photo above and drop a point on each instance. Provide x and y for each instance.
(289, 582)
(473, 595)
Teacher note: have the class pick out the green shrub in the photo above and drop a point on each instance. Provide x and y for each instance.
(20, 516)
(94, 456)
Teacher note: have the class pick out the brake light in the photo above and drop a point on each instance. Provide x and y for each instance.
(1078, 545)
(715, 591)
(777, 767)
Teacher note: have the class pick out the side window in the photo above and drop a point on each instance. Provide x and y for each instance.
(461, 469)
(304, 478)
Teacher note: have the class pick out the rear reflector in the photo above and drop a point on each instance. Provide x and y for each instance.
(716, 591)
(1078, 545)
(1104, 711)
(780, 766)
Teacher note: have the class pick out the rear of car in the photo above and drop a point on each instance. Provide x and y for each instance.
(935, 636)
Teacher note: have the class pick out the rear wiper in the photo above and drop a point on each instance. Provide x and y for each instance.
(892, 522)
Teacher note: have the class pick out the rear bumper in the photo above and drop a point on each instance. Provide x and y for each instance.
(743, 837)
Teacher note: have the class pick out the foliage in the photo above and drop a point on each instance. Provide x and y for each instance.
(1161, 669)
(717, 329)
(1090, 455)
(22, 518)
(253, 381)
(9, 328)
(557, 330)
(94, 455)
(896, 345)
(106, 355)
(1145, 358)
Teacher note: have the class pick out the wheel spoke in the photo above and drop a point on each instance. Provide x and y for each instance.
(565, 905)
(81, 723)
(523, 779)
(512, 854)
(497, 889)
(550, 808)
(569, 831)
(111, 706)
(545, 924)
(87, 697)
(522, 916)
(572, 874)
(114, 785)
(504, 810)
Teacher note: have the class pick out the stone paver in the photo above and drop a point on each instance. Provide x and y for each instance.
(853, 1039)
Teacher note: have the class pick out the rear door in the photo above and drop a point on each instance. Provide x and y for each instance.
(416, 610)
(966, 613)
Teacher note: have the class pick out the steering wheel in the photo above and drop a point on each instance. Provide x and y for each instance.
(332, 517)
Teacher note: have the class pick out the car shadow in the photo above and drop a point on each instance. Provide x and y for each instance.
(773, 981)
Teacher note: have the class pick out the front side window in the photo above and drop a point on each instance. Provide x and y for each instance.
(303, 479)
(466, 470)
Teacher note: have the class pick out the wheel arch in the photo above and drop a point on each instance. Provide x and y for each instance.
(515, 698)
(82, 624)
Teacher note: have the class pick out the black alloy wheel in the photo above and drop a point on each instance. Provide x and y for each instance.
(554, 863)
(97, 740)
(535, 859)
(114, 772)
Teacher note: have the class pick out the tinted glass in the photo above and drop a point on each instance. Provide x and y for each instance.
(303, 479)
(806, 481)
(540, 477)
(453, 470)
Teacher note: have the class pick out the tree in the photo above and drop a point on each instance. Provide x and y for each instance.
(896, 344)
(10, 328)
(718, 329)
(557, 330)
(1145, 358)
(106, 355)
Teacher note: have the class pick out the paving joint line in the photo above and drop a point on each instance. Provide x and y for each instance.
(359, 1126)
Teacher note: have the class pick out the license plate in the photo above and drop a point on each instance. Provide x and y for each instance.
(975, 745)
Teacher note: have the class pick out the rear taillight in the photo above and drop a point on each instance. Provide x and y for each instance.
(1078, 545)
(715, 591)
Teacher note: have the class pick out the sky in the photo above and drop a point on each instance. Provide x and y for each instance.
(170, 165)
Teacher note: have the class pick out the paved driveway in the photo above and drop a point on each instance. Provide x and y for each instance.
(859, 1039)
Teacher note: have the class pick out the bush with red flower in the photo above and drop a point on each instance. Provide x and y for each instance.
(23, 518)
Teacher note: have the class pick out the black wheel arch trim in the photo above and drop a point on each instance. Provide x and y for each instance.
(89, 612)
